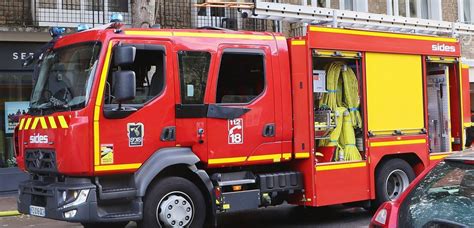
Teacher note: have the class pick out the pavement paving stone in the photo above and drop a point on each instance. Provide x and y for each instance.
(8, 203)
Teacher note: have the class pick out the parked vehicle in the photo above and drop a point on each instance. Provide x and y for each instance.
(170, 127)
(442, 197)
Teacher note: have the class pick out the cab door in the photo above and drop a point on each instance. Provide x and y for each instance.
(128, 136)
(241, 112)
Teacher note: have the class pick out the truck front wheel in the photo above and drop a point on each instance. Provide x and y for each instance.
(392, 178)
(174, 202)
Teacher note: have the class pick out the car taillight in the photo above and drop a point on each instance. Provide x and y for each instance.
(381, 217)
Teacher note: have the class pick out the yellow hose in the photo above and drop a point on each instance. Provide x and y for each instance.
(330, 100)
(343, 99)
(347, 139)
(351, 96)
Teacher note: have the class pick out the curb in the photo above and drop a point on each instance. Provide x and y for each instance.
(9, 213)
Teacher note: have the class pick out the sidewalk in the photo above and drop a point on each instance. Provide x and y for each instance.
(8, 205)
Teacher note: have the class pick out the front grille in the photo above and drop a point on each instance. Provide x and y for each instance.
(41, 161)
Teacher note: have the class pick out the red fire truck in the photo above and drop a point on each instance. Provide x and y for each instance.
(170, 127)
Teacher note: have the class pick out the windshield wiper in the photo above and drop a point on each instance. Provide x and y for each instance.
(53, 104)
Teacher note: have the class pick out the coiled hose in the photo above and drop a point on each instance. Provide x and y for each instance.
(347, 139)
(343, 99)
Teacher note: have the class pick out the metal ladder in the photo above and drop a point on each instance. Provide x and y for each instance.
(348, 19)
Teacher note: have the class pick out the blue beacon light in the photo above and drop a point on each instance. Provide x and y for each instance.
(56, 31)
(116, 17)
(82, 27)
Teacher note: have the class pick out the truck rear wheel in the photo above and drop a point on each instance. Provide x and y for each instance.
(174, 202)
(392, 178)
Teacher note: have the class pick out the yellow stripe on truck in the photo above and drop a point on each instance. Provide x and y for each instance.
(117, 167)
(298, 42)
(41, 122)
(62, 122)
(52, 122)
(340, 166)
(98, 103)
(397, 143)
(27, 124)
(22, 123)
(215, 161)
(300, 155)
(35, 123)
(274, 157)
(438, 156)
(202, 35)
(381, 34)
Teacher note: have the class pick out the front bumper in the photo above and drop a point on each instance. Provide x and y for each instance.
(49, 195)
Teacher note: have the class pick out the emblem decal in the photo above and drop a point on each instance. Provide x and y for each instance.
(39, 139)
(135, 132)
(236, 131)
(106, 154)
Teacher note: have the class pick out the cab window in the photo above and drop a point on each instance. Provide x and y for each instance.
(193, 71)
(241, 77)
(149, 68)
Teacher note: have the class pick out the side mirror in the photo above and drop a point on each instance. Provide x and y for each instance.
(124, 86)
(124, 55)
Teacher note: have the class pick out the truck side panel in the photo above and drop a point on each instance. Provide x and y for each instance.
(466, 101)
(283, 95)
(302, 120)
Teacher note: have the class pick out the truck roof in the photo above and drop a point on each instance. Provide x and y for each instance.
(318, 37)
(97, 34)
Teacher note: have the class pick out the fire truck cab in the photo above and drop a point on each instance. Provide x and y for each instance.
(170, 127)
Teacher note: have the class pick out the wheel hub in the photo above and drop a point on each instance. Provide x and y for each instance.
(175, 210)
(397, 181)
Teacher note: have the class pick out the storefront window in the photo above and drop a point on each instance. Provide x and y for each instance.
(15, 90)
(16, 85)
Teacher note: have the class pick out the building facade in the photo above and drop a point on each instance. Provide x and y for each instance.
(24, 28)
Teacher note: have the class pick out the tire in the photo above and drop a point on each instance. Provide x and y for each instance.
(392, 178)
(173, 199)
(105, 225)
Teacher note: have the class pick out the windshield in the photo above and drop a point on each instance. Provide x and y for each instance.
(445, 196)
(65, 78)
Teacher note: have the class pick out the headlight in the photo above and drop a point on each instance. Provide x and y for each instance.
(70, 214)
(79, 196)
(69, 195)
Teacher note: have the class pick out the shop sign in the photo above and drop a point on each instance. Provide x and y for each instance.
(12, 54)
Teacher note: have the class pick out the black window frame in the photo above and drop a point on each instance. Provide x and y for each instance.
(147, 47)
(181, 79)
(243, 51)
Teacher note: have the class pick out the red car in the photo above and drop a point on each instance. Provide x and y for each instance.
(442, 196)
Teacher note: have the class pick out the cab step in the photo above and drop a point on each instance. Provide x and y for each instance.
(234, 178)
(115, 188)
(117, 193)
(119, 210)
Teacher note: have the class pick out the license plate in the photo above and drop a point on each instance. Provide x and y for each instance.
(37, 211)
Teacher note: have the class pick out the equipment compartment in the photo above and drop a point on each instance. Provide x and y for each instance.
(441, 83)
(337, 118)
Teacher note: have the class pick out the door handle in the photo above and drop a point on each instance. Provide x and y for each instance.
(269, 130)
(168, 134)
